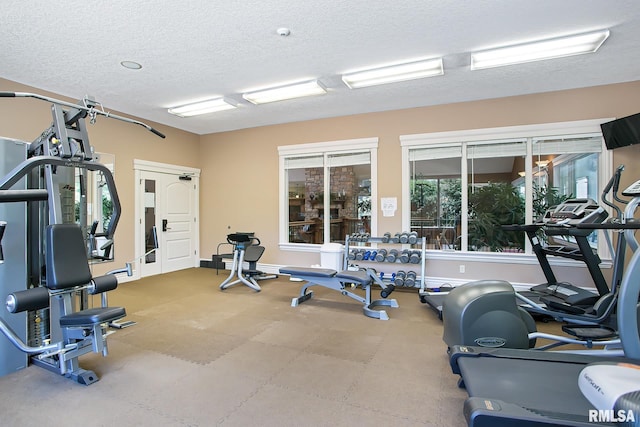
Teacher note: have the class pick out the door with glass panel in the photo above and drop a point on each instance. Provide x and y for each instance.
(169, 220)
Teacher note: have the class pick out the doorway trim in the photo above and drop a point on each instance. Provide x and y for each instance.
(177, 170)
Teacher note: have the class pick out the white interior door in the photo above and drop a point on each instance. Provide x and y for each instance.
(169, 216)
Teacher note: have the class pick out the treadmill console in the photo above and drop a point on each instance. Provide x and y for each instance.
(633, 190)
(575, 211)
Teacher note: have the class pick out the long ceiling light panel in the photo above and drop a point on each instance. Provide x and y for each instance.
(537, 51)
(202, 107)
(394, 73)
(297, 90)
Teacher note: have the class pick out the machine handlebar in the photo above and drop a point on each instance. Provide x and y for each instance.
(87, 105)
(612, 225)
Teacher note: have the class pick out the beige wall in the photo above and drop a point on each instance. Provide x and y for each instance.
(239, 180)
(245, 189)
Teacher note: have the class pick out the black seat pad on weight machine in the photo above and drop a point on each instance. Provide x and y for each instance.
(309, 272)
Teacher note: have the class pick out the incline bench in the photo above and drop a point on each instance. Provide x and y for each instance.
(337, 281)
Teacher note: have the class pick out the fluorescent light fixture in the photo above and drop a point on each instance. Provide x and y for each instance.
(545, 49)
(394, 73)
(202, 107)
(296, 90)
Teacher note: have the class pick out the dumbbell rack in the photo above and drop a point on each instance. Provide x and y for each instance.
(386, 267)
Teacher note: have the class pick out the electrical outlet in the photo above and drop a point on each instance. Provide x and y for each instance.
(462, 268)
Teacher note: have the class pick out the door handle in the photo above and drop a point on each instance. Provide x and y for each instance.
(164, 225)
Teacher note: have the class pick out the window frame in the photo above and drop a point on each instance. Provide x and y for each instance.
(325, 149)
(547, 130)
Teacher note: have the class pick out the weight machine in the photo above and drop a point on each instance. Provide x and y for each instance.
(45, 275)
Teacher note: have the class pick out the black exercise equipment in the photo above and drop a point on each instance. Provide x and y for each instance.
(470, 319)
(558, 223)
(67, 273)
(509, 387)
(466, 306)
(246, 249)
(47, 273)
(571, 219)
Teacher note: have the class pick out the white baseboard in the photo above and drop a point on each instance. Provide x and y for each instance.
(431, 282)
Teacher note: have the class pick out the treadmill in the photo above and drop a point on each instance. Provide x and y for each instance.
(510, 387)
(434, 298)
(564, 220)
(566, 240)
(560, 222)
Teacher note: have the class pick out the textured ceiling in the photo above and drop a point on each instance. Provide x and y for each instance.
(192, 50)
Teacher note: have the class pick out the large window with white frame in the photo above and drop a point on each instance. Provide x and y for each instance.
(327, 191)
(462, 188)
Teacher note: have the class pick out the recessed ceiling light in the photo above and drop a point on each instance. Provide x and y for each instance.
(132, 65)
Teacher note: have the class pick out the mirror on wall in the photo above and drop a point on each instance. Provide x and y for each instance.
(93, 207)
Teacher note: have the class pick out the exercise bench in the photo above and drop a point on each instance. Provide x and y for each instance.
(338, 281)
(73, 332)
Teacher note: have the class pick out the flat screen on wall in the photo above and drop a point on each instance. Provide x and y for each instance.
(621, 132)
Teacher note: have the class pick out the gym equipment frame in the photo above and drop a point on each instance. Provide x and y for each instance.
(52, 250)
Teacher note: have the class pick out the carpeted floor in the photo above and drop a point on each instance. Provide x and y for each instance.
(199, 356)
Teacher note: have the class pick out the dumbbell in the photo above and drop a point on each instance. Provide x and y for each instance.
(352, 254)
(399, 280)
(404, 237)
(386, 237)
(395, 238)
(359, 237)
(415, 256)
(392, 256)
(413, 237)
(381, 255)
(404, 256)
(410, 279)
(360, 255)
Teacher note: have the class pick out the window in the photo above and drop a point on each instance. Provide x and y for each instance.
(327, 191)
(462, 187)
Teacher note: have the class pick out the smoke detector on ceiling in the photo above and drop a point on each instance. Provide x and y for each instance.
(284, 32)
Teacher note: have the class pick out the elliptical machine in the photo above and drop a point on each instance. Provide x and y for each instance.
(491, 314)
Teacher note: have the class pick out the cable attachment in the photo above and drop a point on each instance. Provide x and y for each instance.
(93, 108)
